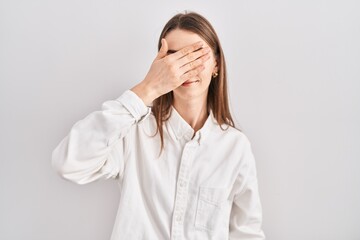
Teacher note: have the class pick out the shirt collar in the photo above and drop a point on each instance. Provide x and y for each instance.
(182, 129)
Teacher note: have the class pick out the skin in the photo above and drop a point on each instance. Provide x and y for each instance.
(183, 58)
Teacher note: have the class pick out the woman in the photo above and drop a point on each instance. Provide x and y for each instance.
(184, 170)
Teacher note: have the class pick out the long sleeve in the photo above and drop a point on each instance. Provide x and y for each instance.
(96, 146)
(246, 213)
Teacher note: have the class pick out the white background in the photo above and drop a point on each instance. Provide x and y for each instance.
(294, 86)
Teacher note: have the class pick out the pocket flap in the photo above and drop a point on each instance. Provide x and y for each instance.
(212, 195)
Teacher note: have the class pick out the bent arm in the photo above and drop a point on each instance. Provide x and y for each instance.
(95, 146)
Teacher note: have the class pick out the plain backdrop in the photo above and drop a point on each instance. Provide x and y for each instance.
(294, 83)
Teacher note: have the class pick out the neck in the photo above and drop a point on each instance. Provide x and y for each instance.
(193, 111)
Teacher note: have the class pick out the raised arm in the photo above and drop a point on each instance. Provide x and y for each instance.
(95, 147)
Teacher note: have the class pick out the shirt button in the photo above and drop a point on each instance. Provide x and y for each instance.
(182, 184)
(178, 218)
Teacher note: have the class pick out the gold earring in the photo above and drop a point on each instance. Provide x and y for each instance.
(215, 74)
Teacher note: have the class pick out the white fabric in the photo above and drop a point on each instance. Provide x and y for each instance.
(200, 188)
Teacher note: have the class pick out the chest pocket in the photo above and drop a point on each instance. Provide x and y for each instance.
(210, 208)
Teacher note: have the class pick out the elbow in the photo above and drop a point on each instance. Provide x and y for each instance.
(63, 167)
(59, 155)
(59, 164)
(73, 170)
(58, 161)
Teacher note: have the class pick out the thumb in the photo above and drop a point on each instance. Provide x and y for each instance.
(163, 50)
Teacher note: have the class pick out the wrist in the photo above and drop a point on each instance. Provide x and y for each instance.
(144, 92)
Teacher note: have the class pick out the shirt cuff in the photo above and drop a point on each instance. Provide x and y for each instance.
(135, 105)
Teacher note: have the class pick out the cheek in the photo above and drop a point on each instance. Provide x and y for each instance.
(209, 67)
(206, 74)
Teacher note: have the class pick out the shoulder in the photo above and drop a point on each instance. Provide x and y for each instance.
(233, 134)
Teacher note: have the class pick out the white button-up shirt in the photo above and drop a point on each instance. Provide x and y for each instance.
(203, 187)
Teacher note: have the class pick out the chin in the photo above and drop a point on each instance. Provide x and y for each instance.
(185, 94)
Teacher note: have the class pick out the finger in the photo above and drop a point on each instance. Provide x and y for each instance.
(193, 56)
(186, 50)
(194, 64)
(192, 73)
(163, 50)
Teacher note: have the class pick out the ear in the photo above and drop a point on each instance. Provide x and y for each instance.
(216, 68)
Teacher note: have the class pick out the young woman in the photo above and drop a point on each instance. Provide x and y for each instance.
(184, 170)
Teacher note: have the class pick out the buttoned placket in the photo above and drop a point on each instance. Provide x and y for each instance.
(182, 187)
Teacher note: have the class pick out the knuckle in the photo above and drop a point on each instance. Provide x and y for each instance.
(205, 58)
(189, 57)
(184, 51)
(192, 56)
(172, 69)
(205, 50)
(198, 63)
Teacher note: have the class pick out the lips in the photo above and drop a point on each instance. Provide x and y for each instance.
(188, 81)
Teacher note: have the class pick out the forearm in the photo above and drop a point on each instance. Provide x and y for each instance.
(85, 154)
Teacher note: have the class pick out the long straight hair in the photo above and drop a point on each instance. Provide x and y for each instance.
(217, 98)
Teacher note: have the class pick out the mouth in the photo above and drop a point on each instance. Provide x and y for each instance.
(189, 83)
